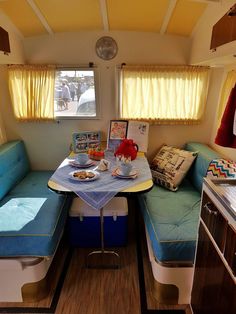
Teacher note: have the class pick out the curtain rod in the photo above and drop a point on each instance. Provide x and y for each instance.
(90, 65)
(120, 66)
(60, 66)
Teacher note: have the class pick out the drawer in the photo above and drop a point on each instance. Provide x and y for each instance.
(230, 248)
(214, 220)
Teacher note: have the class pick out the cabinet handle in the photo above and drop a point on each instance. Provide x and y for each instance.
(234, 264)
(210, 211)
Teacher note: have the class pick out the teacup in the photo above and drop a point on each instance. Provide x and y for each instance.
(82, 158)
(126, 168)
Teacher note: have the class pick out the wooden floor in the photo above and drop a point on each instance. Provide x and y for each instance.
(98, 291)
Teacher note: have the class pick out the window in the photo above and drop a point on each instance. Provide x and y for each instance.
(75, 93)
(41, 92)
(163, 94)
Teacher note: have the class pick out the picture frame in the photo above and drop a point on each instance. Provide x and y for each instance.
(117, 132)
(82, 141)
(118, 129)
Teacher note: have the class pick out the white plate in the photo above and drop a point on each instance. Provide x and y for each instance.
(75, 163)
(133, 173)
(96, 175)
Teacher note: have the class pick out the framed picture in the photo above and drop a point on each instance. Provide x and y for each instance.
(117, 132)
(118, 129)
(82, 141)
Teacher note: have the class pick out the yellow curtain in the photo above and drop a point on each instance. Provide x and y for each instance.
(164, 94)
(226, 89)
(32, 91)
(3, 137)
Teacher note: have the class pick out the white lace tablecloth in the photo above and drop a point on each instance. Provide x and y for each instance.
(99, 192)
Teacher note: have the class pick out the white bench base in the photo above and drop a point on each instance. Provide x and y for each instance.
(181, 277)
(14, 273)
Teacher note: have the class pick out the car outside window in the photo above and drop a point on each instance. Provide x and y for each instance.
(75, 93)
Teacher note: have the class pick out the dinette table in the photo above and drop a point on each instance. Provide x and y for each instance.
(107, 184)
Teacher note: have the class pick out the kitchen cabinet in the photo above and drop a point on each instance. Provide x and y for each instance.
(214, 284)
(224, 31)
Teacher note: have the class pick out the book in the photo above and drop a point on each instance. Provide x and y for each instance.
(121, 129)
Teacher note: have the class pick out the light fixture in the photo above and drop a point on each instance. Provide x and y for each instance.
(106, 48)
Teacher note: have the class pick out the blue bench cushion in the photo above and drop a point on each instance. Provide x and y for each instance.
(32, 218)
(34, 184)
(14, 165)
(171, 219)
(201, 163)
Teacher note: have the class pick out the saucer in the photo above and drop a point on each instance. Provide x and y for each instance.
(75, 163)
(133, 173)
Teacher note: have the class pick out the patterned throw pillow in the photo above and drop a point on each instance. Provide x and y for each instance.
(222, 168)
(170, 165)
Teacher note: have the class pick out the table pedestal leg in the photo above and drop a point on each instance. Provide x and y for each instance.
(102, 251)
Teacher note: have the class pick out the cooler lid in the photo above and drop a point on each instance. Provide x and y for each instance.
(118, 206)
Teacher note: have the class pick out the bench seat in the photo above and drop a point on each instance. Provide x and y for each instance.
(32, 217)
(32, 220)
(173, 224)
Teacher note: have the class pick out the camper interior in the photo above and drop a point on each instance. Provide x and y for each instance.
(117, 156)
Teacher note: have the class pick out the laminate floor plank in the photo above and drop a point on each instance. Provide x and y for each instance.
(102, 291)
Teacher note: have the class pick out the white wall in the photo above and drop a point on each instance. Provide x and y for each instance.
(17, 52)
(228, 152)
(15, 56)
(223, 57)
(48, 143)
(200, 50)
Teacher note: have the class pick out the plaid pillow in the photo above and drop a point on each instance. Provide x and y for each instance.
(170, 166)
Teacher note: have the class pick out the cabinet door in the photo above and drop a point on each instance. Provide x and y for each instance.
(213, 290)
(215, 222)
(230, 249)
(223, 31)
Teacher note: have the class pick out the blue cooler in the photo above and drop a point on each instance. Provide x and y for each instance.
(84, 224)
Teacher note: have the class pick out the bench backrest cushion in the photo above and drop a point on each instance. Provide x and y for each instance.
(199, 168)
(14, 165)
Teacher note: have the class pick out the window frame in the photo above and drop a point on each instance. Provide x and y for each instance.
(96, 89)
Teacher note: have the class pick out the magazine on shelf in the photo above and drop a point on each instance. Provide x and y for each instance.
(121, 129)
(138, 131)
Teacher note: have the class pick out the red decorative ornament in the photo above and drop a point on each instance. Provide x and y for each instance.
(127, 148)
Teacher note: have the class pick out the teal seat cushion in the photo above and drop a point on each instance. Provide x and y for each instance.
(172, 219)
(34, 184)
(32, 218)
(14, 165)
(201, 163)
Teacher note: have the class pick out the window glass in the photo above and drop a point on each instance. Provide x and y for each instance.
(75, 93)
